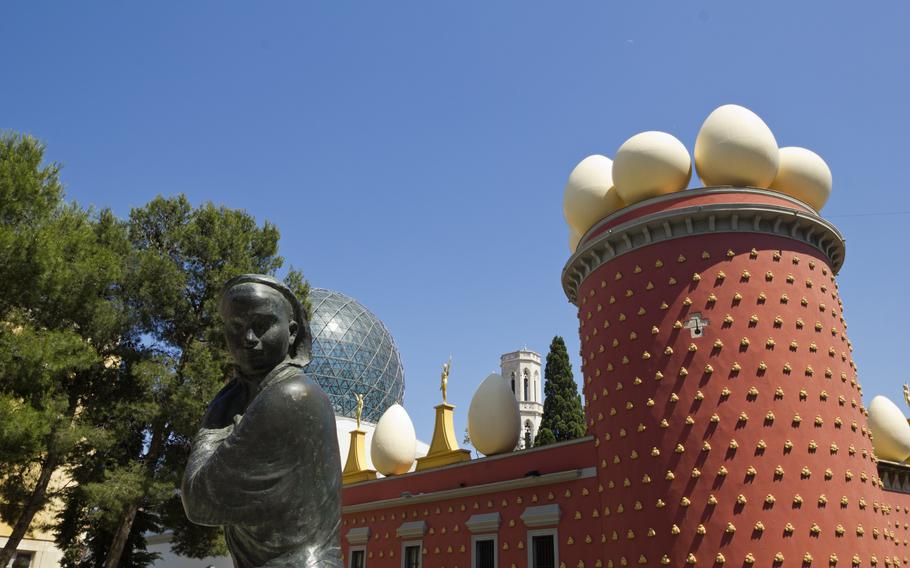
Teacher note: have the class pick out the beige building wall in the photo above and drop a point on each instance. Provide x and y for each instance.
(38, 544)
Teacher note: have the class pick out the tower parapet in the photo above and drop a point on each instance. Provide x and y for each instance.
(720, 386)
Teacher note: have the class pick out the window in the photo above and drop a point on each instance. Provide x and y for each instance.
(358, 558)
(410, 555)
(542, 552)
(527, 388)
(21, 560)
(513, 381)
(528, 439)
(484, 551)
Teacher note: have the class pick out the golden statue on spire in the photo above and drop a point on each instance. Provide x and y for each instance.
(359, 409)
(445, 379)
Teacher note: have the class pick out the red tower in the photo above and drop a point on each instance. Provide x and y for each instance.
(720, 387)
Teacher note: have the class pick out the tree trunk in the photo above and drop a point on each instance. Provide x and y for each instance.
(33, 505)
(118, 544)
(120, 537)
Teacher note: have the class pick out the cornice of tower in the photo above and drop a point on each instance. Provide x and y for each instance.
(700, 212)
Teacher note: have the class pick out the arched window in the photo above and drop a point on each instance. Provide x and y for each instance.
(513, 381)
(527, 388)
(528, 440)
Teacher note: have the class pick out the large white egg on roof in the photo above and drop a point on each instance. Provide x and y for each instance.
(574, 238)
(735, 147)
(494, 422)
(803, 174)
(890, 431)
(650, 164)
(394, 444)
(589, 195)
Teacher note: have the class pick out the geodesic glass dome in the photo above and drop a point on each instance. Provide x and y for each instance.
(353, 353)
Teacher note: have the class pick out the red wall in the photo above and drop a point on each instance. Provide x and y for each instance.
(619, 305)
(447, 543)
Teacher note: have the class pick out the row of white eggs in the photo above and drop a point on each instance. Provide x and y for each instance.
(494, 426)
(890, 430)
(733, 147)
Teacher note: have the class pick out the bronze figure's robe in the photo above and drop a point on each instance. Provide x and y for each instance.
(268, 470)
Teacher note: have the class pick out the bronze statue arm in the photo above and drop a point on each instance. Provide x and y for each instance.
(244, 471)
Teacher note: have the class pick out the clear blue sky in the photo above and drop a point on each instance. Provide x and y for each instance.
(414, 154)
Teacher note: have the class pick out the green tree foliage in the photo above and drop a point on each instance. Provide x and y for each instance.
(563, 418)
(181, 257)
(110, 349)
(60, 324)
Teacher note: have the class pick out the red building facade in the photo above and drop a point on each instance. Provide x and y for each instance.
(725, 418)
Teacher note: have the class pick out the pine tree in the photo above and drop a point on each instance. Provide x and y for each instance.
(181, 258)
(110, 349)
(563, 418)
(60, 325)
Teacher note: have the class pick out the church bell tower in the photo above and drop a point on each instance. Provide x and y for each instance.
(521, 369)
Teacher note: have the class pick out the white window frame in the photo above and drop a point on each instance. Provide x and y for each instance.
(543, 532)
(481, 537)
(352, 550)
(405, 545)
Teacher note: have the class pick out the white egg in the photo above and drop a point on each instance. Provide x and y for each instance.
(494, 422)
(890, 431)
(573, 241)
(650, 164)
(803, 174)
(589, 195)
(735, 147)
(394, 445)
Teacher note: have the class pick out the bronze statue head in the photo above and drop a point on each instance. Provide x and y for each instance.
(264, 324)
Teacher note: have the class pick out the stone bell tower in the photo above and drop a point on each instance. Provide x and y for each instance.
(521, 369)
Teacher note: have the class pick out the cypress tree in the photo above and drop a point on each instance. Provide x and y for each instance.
(563, 418)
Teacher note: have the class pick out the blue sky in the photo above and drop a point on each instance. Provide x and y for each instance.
(414, 154)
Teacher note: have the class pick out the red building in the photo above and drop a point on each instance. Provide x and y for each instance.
(725, 418)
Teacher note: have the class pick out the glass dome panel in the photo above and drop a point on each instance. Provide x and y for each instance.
(353, 353)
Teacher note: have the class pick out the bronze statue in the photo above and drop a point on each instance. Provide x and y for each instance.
(265, 463)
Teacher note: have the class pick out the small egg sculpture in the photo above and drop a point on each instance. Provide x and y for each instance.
(736, 147)
(890, 431)
(803, 174)
(574, 238)
(394, 445)
(494, 422)
(650, 164)
(589, 195)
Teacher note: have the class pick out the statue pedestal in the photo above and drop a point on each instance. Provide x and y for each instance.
(444, 446)
(355, 469)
